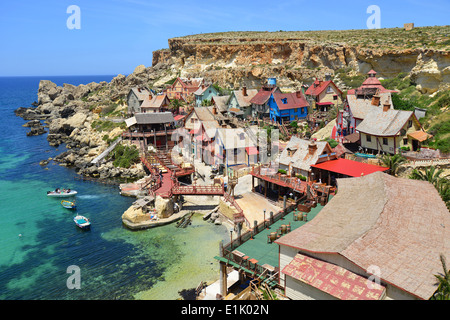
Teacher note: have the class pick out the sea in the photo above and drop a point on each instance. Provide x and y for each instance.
(45, 256)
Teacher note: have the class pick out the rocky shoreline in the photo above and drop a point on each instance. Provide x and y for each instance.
(66, 115)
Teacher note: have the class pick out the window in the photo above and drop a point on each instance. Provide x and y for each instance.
(409, 123)
(368, 138)
(330, 89)
(335, 97)
(405, 141)
(385, 141)
(295, 110)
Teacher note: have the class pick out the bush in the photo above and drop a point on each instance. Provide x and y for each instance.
(124, 156)
(333, 143)
(281, 171)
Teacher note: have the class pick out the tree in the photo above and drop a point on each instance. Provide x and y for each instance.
(393, 162)
(442, 184)
(443, 283)
(175, 105)
(430, 174)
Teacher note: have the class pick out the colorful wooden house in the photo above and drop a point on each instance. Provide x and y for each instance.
(136, 97)
(287, 107)
(183, 89)
(205, 93)
(387, 130)
(323, 95)
(239, 104)
(260, 102)
(158, 103)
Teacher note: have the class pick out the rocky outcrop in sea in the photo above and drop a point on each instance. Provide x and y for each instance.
(67, 113)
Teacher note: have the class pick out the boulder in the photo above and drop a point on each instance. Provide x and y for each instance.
(135, 215)
(77, 120)
(164, 207)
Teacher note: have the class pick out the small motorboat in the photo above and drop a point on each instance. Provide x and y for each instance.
(68, 204)
(82, 222)
(61, 193)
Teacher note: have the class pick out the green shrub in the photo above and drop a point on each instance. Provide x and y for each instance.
(333, 143)
(281, 171)
(124, 156)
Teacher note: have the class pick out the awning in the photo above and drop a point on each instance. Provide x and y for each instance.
(236, 111)
(333, 279)
(324, 103)
(251, 150)
(349, 167)
(419, 135)
(178, 117)
(130, 121)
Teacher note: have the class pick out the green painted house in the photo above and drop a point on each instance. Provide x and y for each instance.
(204, 93)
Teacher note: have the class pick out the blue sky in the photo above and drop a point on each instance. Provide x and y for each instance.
(118, 35)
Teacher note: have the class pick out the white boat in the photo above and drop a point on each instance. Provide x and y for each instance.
(82, 222)
(61, 193)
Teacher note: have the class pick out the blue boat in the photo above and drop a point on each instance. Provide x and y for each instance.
(363, 155)
(68, 204)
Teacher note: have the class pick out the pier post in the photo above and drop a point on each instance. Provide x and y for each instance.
(223, 274)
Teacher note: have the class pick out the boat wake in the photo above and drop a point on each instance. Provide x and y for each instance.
(88, 196)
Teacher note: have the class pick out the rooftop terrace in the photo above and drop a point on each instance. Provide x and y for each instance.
(254, 251)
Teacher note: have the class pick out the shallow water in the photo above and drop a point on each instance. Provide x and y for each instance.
(39, 241)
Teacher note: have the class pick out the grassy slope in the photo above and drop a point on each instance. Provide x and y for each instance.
(435, 37)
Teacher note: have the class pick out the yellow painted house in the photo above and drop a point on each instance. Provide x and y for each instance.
(387, 130)
(323, 95)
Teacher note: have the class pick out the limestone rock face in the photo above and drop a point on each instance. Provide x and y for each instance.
(164, 207)
(135, 215)
(430, 72)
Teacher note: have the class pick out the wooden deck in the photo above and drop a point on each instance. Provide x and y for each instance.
(281, 180)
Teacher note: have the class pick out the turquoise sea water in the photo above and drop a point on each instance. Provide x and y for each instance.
(39, 241)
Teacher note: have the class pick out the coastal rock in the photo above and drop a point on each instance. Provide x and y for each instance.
(164, 207)
(59, 101)
(36, 131)
(76, 121)
(32, 123)
(135, 215)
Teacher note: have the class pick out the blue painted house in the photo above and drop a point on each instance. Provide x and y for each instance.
(204, 93)
(287, 107)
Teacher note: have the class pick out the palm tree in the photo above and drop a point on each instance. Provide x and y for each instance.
(442, 184)
(430, 174)
(443, 283)
(175, 104)
(393, 162)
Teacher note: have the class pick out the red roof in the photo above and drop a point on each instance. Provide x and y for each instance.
(178, 117)
(349, 167)
(293, 100)
(262, 96)
(318, 86)
(332, 279)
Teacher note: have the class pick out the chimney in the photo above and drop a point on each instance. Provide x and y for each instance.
(214, 109)
(376, 100)
(139, 89)
(312, 147)
(298, 94)
(386, 106)
(244, 90)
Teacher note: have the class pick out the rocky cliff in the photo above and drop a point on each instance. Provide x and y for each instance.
(233, 58)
